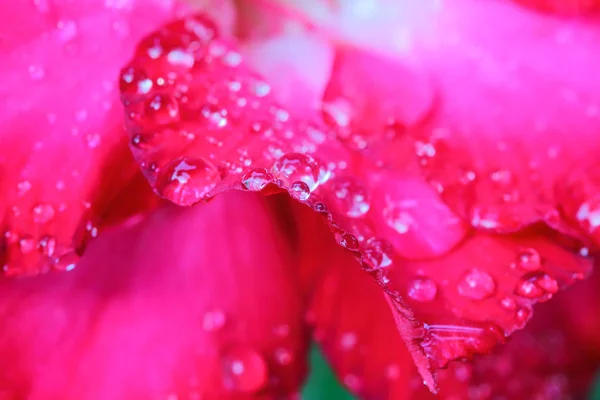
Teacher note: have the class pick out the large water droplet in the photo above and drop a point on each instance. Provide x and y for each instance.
(299, 190)
(42, 213)
(528, 259)
(476, 284)
(162, 109)
(422, 289)
(297, 167)
(243, 370)
(346, 240)
(377, 254)
(536, 285)
(256, 179)
(351, 197)
(185, 181)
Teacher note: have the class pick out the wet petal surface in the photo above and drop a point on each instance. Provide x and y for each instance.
(201, 122)
(162, 309)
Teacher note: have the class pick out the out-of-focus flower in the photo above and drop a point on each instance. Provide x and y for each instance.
(446, 147)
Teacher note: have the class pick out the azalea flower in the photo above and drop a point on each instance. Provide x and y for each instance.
(403, 182)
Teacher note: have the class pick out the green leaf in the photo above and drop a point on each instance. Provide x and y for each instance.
(322, 383)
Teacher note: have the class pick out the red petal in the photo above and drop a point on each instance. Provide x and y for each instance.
(63, 157)
(160, 309)
(548, 360)
(201, 122)
(564, 7)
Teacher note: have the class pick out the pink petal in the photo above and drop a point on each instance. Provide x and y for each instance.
(202, 122)
(162, 309)
(63, 157)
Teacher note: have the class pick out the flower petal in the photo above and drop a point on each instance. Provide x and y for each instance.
(163, 308)
(547, 360)
(202, 122)
(63, 157)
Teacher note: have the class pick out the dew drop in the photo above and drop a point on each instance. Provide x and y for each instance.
(185, 181)
(422, 290)
(26, 244)
(377, 254)
(283, 356)
(213, 321)
(528, 259)
(297, 167)
(397, 218)
(299, 190)
(162, 109)
(346, 240)
(23, 187)
(134, 81)
(47, 245)
(476, 284)
(523, 314)
(66, 262)
(42, 213)
(351, 197)
(508, 303)
(536, 285)
(243, 370)
(256, 179)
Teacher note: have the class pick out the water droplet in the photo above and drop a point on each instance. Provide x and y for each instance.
(23, 187)
(256, 179)
(213, 321)
(377, 254)
(134, 81)
(185, 181)
(243, 370)
(66, 262)
(523, 314)
(476, 284)
(26, 244)
(446, 342)
(283, 356)
(93, 140)
(348, 341)
(508, 303)
(536, 285)
(346, 240)
(299, 190)
(162, 109)
(47, 245)
(351, 197)
(297, 167)
(42, 213)
(397, 217)
(422, 289)
(528, 259)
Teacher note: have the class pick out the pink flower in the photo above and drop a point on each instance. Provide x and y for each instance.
(446, 147)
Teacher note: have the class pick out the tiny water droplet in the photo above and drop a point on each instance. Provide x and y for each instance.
(422, 289)
(528, 259)
(377, 254)
(523, 314)
(26, 244)
(351, 197)
(23, 187)
(476, 284)
(536, 285)
(213, 321)
(397, 218)
(346, 240)
(162, 109)
(299, 190)
(508, 303)
(134, 81)
(243, 370)
(42, 213)
(297, 167)
(66, 262)
(47, 245)
(185, 181)
(283, 356)
(256, 179)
